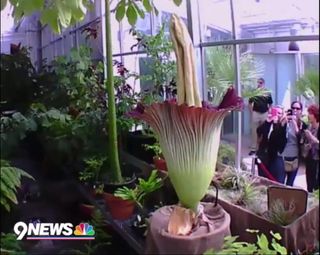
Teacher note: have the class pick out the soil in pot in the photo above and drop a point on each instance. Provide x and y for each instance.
(129, 182)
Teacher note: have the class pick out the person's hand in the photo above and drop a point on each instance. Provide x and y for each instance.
(269, 117)
(294, 122)
(311, 137)
(283, 120)
(308, 133)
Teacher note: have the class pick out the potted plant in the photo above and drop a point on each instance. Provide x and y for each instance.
(189, 132)
(131, 197)
(90, 176)
(158, 159)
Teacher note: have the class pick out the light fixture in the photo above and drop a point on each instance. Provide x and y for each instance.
(293, 46)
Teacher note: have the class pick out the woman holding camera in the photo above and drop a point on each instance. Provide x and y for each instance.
(294, 127)
(272, 140)
(311, 148)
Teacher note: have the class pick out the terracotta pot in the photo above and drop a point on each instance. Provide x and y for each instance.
(160, 163)
(120, 209)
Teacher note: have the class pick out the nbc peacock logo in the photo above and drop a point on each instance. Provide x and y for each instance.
(84, 229)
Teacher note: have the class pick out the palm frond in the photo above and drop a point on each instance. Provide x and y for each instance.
(221, 73)
(308, 85)
(251, 92)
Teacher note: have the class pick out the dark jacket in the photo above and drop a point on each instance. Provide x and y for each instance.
(261, 103)
(270, 147)
(300, 136)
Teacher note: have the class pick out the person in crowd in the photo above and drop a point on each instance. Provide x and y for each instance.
(311, 146)
(294, 128)
(259, 107)
(272, 140)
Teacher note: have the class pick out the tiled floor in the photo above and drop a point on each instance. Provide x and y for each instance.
(300, 180)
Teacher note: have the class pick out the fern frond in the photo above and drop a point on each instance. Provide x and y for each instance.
(10, 181)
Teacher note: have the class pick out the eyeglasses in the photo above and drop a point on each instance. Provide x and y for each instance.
(296, 108)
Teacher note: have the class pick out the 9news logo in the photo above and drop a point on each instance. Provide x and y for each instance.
(53, 231)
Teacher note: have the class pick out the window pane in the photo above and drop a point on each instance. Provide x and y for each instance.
(311, 61)
(127, 38)
(166, 9)
(256, 19)
(215, 20)
(134, 64)
(115, 30)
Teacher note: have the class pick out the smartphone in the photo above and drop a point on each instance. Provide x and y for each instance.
(274, 112)
(289, 112)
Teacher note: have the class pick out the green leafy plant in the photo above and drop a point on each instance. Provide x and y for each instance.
(230, 178)
(126, 97)
(18, 74)
(142, 189)
(281, 214)
(92, 169)
(159, 81)
(248, 193)
(226, 154)
(81, 80)
(60, 134)
(10, 181)
(14, 128)
(261, 247)
(240, 188)
(10, 245)
(308, 85)
(80, 83)
(155, 148)
(159, 60)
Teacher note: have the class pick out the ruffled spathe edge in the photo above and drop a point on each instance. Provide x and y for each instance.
(229, 102)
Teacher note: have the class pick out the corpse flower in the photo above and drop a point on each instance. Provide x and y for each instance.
(189, 138)
(188, 130)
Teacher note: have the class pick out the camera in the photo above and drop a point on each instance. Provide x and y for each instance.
(289, 112)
